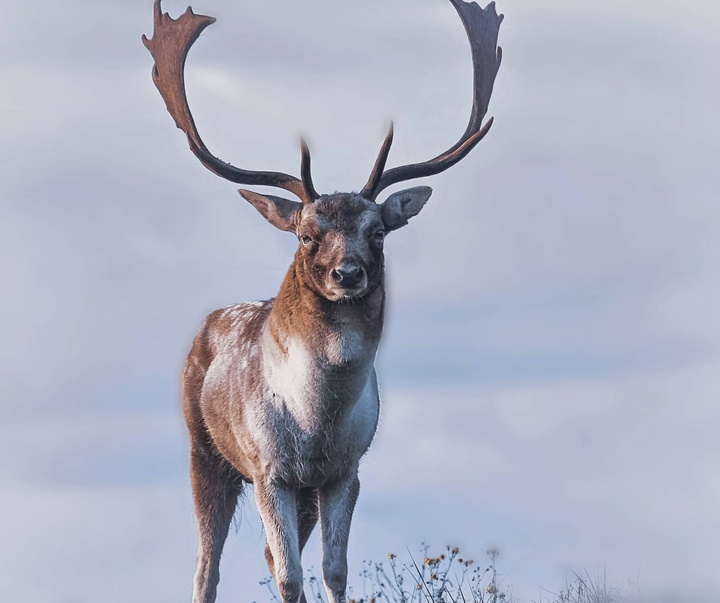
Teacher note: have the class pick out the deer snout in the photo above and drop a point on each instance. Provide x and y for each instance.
(347, 275)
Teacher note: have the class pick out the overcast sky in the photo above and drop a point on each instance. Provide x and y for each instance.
(551, 365)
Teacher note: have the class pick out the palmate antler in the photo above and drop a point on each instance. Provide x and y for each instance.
(482, 27)
(171, 42)
(169, 46)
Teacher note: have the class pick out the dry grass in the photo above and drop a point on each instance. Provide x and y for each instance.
(450, 577)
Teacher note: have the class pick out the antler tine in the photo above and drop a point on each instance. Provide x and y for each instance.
(169, 47)
(369, 190)
(306, 174)
(482, 26)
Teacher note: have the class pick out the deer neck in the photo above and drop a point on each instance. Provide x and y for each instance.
(336, 334)
(321, 352)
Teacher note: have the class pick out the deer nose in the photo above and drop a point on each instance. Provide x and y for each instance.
(347, 275)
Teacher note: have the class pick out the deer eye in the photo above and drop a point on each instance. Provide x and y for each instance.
(378, 235)
(305, 239)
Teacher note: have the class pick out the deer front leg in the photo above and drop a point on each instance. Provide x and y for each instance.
(306, 501)
(278, 510)
(337, 503)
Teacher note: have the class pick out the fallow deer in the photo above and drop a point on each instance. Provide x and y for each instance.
(282, 393)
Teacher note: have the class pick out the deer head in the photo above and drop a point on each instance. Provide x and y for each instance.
(340, 235)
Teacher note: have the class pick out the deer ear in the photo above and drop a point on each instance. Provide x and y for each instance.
(281, 213)
(400, 207)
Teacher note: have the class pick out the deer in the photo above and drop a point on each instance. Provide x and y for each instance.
(283, 394)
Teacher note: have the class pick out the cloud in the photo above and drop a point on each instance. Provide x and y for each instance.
(568, 474)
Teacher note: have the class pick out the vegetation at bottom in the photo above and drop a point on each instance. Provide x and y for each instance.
(450, 577)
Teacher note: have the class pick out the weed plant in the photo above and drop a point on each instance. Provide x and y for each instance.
(449, 578)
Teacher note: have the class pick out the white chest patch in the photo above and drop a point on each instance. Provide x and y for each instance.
(288, 375)
(343, 347)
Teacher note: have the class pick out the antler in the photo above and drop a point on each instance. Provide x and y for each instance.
(169, 46)
(482, 26)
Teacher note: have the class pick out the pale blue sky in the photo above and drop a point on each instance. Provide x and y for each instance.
(551, 366)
